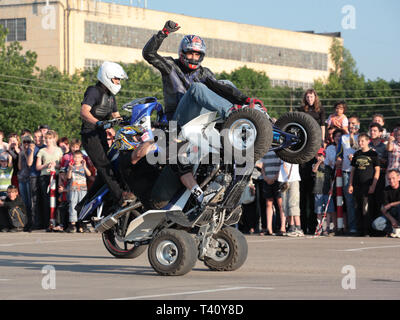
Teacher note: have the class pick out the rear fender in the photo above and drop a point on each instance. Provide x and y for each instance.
(142, 227)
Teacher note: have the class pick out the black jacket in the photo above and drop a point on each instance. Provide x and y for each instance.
(177, 78)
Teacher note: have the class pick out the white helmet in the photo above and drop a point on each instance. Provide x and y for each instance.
(109, 70)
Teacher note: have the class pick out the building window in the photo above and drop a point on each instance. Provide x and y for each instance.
(16, 29)
(92, 63)
(131, 37)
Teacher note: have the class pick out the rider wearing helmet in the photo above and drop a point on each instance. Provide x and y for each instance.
(189, 87)
(99, 104)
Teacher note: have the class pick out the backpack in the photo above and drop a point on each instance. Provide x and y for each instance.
(18, 218)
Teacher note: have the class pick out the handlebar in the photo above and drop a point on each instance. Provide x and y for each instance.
(105, 124)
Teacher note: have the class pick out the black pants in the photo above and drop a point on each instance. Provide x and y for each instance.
(376, 198)
(307, 216)
(36, 203)
(95, 144)
(363, 209)
(249, 219)
(4, 219)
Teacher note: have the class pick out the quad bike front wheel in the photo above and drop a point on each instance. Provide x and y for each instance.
(247, 131)
(307, 132)
(172, 252)
(229, 250)
(113, 239)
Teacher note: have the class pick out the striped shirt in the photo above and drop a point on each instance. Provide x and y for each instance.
(271, 164)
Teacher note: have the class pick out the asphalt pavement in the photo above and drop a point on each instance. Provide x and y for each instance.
(61, 266)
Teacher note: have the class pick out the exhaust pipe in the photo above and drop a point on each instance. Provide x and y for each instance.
(111, 220)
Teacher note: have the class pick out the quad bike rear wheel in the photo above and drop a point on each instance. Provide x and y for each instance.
(172, 252)
(248, 131)
(114, 243)
(230, 250)
(308, 132)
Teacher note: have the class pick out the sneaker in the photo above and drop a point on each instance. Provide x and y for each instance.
(300, 233)
(339, 232)
(396, 233)
(71, 229)
(292, 233)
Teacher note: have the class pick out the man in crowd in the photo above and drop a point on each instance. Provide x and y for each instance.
(349, 145)
(389, 222)
(377, 144)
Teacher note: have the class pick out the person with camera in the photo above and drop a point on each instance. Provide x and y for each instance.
(24, 171)
(189, 88)
(350, 146)
(14, 148)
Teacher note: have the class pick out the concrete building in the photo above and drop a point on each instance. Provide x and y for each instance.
(74, 34)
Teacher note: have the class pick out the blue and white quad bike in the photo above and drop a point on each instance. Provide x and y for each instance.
(184, 231)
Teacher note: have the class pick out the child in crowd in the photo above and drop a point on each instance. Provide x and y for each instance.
(363, 179)
(339, 119)
(77, 172)
(13, 211)
(323, 179)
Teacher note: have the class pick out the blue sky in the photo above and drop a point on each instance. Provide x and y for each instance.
(374, 42)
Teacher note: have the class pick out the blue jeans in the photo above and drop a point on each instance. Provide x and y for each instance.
(75, 196)
(383, 224)
(351, 215)
(197, 100)
(25, 191)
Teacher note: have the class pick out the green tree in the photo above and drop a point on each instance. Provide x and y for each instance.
(17, 99)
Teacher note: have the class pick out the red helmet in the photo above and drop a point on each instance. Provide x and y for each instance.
(191, 43)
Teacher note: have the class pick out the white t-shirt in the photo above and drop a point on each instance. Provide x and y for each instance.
(347, 150)
(294, 174)
(330, 157)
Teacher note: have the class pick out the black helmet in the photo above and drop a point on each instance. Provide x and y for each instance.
(191, 43)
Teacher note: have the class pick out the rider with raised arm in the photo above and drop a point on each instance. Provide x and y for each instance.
(189, 88)
(99, 104)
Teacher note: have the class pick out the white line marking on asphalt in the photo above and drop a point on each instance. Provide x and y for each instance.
(191, 292)
(280, 239)
(369, 248)
(39, 241)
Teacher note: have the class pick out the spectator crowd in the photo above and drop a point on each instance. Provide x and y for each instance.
(29, 164)
(293, 200)
(282, 198)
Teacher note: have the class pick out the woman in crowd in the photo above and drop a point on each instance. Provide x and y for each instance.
(312, 106)
(48, 160)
